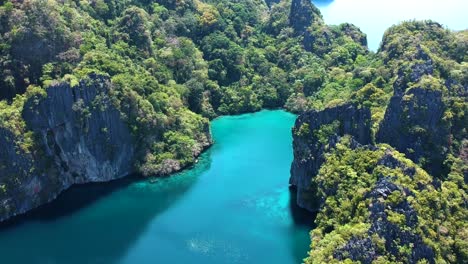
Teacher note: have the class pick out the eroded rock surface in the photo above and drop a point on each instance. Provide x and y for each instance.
(80, 138)
(313, 134)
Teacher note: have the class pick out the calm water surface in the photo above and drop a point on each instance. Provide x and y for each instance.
(233, 207)
(375, 16)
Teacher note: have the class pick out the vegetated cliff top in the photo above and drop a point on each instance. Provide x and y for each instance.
(404, 201)
(380, 207)
(171, 65)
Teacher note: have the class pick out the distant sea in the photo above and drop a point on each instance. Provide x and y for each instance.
(375, 16)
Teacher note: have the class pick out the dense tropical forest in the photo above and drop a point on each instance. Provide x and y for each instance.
(167, 67)
(174, 64)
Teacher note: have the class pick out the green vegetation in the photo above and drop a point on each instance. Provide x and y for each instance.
(225, 57)
(378, 205)
(175, 64)
(325, 131)
(440, 212)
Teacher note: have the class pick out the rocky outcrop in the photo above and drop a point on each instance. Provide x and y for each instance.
(413, 121)
(80, 138)
(384, 231)
(19, 191)
(306, 20)
(313, 134)
(380, 202)
(354, 33)
(302, 15)
(379, 206)
(79, 126)
(415, 127)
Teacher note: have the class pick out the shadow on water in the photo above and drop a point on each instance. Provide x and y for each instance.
(71, 201)
(322, 3)
(303, 219)
(108, 218)
(301, 216)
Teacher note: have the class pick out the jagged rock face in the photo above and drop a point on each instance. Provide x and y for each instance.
(413, 121)
(310, 144)
(79, 126)
(306, 20)
(415, 127)
(375, 207)
(421, 64)
(379, 218)
(80, 138)
(354, 33)
(362, 248)
(16, 166)
(302, 15)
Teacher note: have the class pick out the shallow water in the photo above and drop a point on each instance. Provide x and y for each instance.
(232, 207)
(375, 16)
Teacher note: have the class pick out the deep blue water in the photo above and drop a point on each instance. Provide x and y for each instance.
(375, 16)
(233, 207)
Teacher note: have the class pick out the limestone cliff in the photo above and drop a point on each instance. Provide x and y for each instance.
(79, 136)
(303, 13)
(414, 120)
(313, 134)
(306, 20)
(376, 206)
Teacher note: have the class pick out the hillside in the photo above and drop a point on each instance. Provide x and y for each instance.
(92, 91)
